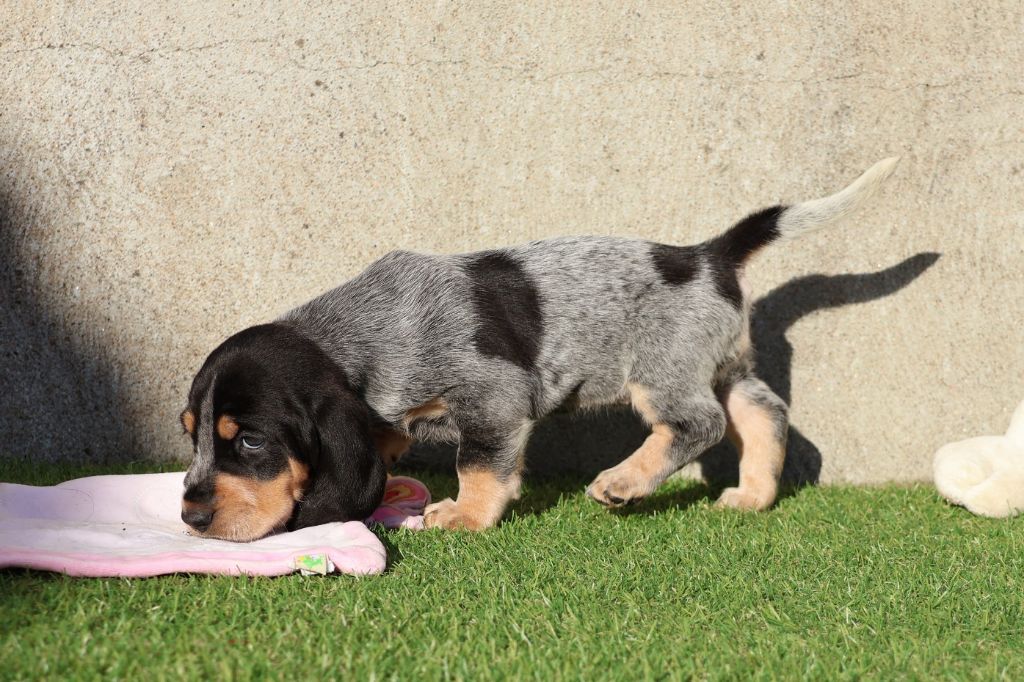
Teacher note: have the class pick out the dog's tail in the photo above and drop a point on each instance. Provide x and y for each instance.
(760, 229)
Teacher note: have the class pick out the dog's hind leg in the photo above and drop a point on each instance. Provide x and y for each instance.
(681, 429)
(758, 425)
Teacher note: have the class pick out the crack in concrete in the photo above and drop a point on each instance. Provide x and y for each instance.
(375, 64)
(528, 72)
(136, 55)
(731, 77)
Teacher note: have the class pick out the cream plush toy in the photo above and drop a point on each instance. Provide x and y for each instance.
(986, 474)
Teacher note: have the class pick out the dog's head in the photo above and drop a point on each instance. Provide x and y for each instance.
(279, 439)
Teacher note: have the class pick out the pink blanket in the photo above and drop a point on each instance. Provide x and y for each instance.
(131, 526)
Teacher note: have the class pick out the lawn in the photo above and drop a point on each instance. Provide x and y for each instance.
(833, 583)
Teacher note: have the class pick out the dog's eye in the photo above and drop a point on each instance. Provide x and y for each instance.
(252, 442)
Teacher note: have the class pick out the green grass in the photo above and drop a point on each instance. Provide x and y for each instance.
(834, 583)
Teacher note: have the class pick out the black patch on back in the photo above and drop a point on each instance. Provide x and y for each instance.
(675, 264)
(508, 308)
(752, 233)
(728, 251)
(727, 281)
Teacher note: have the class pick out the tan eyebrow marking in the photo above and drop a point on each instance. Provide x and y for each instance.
(227, 428)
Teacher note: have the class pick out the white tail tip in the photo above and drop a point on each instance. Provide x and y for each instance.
(818, 213)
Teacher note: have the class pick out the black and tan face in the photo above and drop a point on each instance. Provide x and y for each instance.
(243, 482)
(278, 440)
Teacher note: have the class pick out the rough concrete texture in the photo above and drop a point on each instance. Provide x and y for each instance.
(173, 172)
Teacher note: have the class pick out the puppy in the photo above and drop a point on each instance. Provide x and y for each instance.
(294, 423)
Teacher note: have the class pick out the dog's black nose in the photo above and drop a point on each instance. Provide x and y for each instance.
(197, 517)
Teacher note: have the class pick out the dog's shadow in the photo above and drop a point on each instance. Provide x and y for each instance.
(566, 451)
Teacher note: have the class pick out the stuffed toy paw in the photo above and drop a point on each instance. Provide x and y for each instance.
(986, 474)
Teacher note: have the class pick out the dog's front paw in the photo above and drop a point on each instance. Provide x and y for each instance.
(618, 486)
(745, 499)
(446, 514)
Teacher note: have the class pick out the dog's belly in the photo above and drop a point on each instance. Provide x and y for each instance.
(592, 392)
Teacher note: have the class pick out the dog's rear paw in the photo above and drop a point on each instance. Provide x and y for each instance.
(745, 499)
(616, 488)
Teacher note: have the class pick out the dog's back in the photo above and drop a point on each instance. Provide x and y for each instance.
(569, 317)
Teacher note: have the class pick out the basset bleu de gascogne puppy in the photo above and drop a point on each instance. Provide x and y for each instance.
(294, 423)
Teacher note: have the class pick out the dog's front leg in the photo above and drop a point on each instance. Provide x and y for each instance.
(489, 478)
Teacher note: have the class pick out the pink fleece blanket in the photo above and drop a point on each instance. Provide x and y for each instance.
(131, 526)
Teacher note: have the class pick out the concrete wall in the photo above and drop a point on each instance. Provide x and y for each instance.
(173, 172)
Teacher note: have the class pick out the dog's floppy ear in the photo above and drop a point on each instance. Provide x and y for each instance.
(346, 476)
